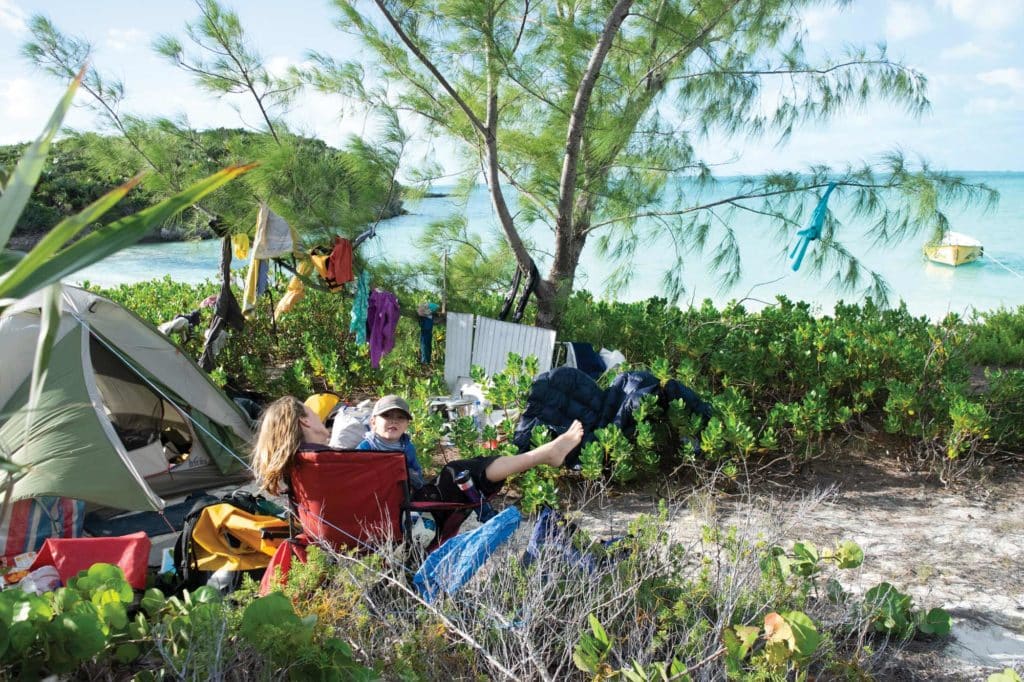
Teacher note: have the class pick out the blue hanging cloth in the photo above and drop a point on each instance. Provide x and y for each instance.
(813, 229)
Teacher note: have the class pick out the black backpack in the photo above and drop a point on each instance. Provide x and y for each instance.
(189, 575)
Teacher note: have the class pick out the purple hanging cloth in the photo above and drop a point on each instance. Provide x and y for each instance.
(381, 320)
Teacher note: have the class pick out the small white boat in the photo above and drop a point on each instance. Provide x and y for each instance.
(954, 249)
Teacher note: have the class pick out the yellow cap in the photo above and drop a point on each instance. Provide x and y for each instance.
(322, 403)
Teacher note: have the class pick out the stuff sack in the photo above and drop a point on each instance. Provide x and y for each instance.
(222, 539)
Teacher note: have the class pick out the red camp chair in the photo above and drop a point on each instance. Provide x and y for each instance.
(355, 499)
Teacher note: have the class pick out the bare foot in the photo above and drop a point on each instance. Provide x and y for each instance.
(565, 443)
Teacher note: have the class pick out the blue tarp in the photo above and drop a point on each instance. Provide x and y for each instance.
(451, 565)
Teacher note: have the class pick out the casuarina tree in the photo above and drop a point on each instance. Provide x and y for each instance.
(591, 111)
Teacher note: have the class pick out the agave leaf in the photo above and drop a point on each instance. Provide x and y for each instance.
(21, 183)
(59, 235)
(47, 334)
(8, 259)
(115, 236)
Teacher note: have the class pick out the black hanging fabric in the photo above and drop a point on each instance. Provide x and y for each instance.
(510, 295)
(531, 286)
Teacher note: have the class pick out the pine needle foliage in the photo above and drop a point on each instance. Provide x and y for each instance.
(593, 113)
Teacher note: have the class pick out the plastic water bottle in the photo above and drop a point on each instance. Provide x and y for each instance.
(478, 412)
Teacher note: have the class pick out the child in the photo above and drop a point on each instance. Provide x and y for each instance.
(388, 422)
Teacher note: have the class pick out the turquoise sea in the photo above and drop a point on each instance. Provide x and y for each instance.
(928, 289)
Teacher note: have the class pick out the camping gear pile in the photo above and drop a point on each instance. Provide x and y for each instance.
(564, 394)
(125, 419)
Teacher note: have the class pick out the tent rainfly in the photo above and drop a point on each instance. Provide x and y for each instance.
(126, 418)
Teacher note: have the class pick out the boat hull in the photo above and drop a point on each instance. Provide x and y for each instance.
(954, 254)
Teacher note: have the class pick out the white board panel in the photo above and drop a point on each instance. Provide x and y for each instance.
(458, 347)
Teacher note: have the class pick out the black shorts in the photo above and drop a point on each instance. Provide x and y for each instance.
(443, 488)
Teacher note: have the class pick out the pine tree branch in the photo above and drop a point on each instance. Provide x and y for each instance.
(729, 200)
(430, 66)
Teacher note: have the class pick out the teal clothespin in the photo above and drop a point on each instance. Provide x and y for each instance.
(813, 229)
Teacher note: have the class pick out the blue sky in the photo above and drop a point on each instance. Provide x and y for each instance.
(969, 49)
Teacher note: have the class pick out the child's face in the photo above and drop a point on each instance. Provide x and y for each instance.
(390, 425)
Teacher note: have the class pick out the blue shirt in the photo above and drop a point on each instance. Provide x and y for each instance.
(405, 445)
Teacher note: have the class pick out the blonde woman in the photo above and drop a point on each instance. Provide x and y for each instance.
(289, 426)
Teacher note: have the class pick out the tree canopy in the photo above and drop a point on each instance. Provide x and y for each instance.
(318, 189)
(592, 111)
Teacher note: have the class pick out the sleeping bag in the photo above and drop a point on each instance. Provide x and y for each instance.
(563, 394)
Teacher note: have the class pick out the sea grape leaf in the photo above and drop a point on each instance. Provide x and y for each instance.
(936, 622)
(738, 641)
(152, 601)
(22, 634)
(81, 632)
(805, 635)
(203, 595)
(31, 607)
(848, 555)
(776, 629)
(126, 653)
(64, 599)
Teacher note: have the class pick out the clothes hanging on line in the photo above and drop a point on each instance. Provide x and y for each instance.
(256, 282)
(813, 229)
(240, 245)
(226, 313)
(381, 319)
(360, 303)
(339, 264)
(274, 237)
(296, 289)
(531, 286)
(426, 311)
(320, 264)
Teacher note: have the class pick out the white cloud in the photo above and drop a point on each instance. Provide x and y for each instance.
(964, 51)
(12, 17)
(819, 22)
(25, 106)
(278, 66)
(120, 39)
(992, 15)
(19, 99)
(1010, 78)
(994, 105)
(906, 20)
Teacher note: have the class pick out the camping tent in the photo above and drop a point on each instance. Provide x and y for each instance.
(125, 417)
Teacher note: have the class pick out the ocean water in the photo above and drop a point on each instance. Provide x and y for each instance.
(926, 288)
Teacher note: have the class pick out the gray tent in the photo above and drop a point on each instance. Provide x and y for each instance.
(125, 419)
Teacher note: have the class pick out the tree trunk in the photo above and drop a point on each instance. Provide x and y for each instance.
(554, 291)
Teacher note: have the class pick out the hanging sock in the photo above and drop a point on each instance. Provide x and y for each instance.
(240, 245)
(813, 229)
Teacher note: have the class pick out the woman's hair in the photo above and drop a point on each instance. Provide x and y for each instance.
(279, 436)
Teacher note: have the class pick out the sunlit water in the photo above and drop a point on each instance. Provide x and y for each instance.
(928, 289)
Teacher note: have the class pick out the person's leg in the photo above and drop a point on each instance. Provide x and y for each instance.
(552, 453)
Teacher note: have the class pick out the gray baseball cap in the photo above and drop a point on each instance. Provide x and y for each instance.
(391, 402)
